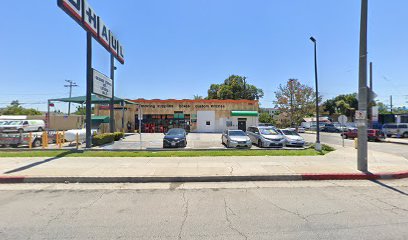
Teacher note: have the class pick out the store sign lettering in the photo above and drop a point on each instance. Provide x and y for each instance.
(182, 106)
(84, 14)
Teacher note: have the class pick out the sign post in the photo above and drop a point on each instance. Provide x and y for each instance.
(86, 17)
(88, 106)
(342, 120)
(140, 117)
(112, 101)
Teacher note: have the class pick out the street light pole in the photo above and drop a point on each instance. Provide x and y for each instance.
(318, 147)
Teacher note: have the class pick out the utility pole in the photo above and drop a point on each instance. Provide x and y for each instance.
(369, 97)
(244, 97)
(391, 103)
(362, 91)
(70, 85)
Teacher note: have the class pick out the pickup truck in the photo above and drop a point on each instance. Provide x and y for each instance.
(17, 139)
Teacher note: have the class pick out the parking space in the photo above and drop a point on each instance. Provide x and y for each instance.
(155, 141)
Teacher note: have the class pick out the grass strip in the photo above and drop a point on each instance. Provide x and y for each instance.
(210, 153)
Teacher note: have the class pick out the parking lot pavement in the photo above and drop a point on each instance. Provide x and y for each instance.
(155, 141)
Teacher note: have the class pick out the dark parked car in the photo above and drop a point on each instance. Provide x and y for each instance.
(175, 137)
(330, 128)
(372, 134)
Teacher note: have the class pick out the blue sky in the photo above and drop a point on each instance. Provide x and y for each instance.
(176, 49)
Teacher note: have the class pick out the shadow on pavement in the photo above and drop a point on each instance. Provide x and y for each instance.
(31, 165)
(389, 187)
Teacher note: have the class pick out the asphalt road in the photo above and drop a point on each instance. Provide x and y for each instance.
(261, 210)
(335, 139)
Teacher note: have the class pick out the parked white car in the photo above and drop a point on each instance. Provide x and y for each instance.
(292, 138)
(22, 126)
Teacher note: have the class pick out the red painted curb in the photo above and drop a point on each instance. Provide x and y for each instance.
(11, 179)
(354, 176)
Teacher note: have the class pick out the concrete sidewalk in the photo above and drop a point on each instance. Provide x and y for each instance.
(340, 164)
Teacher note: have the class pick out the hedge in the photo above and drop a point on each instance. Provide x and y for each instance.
(118, 135)
(103, 138)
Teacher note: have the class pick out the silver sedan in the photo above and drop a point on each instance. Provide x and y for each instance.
(235, 139)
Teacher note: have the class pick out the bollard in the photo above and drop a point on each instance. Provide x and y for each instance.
(59, 139)
(46, 139)
(56, 138)
(77, 140)
(30, 140)
(356, 143)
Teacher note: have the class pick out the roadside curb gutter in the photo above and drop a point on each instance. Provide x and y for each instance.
(158, 179)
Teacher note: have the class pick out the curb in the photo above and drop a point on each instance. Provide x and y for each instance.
(395, 142)
(291, 177)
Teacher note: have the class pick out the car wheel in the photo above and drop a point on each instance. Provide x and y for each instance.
(344, 136)
(40, 129)
(36, 143)
(405, 135)
(260, 144)
(14, 145)
(227, 145)
(389, 135)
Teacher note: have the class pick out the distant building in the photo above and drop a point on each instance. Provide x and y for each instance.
(270, 111)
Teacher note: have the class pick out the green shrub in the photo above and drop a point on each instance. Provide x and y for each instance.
(325, 147)
(104, 138)
(118, 135)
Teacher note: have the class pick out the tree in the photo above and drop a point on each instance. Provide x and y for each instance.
(344, 104)
(382, 108)
(198, 97)
(15, 109)
(295, 101)
(234, 87)
(264, 117)
(80, 110)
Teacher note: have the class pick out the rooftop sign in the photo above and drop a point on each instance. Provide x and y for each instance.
(85, 16)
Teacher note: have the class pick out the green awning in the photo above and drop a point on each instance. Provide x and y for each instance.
(244, 113)
(100, 119)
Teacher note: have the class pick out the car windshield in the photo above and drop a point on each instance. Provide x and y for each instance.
(236, 133)
(175, 131)
(268, 131)
(288, 132)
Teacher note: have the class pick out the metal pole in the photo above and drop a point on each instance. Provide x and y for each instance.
(123, 116)
(140, 124)
(318, 147)
(48, 116)
(362, 91)
(369, 96)
(88, 88)
(391, 103)
(112, 100)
